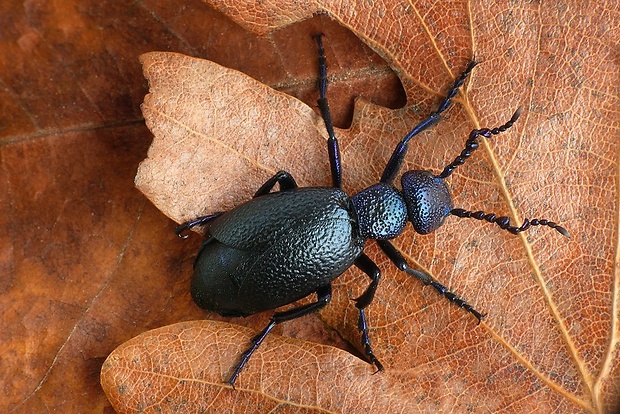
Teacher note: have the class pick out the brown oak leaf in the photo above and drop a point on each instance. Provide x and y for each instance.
(550, 340)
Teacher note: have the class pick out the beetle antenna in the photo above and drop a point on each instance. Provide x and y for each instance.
(472, 143)
(504, 222)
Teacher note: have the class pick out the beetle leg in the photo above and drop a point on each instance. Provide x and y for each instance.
(285, 179)
(200, 221)
(366, 265)
(397, 258)
(324, 295)
(393, 165)
(332, 142)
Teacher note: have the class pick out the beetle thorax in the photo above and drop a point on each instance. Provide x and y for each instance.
(381, 212)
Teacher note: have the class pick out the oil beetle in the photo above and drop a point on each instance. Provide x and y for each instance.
(285, 245)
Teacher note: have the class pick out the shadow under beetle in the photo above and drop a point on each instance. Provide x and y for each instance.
(283, 246)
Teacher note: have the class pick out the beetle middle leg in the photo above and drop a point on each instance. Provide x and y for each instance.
(324, 296)
(397, 258)
(366, 265)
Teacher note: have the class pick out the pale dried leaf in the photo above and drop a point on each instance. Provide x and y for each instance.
(181, 368)
(550, 340)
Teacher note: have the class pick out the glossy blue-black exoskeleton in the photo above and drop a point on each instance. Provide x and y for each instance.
(283, 246)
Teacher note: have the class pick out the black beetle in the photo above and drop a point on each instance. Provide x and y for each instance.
(283, 246)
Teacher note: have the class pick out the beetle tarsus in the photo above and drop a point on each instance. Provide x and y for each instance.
(363, 327)
(393, 166)
(200, 221)
(245, 356)
(333, 149)
(398, 259)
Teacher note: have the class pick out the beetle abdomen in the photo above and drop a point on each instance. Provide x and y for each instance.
(274, 250)
(215, 285)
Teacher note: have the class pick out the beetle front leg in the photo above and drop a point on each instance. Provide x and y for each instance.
(395, 161)
(397, 258)
(366, 265)
(324, 295)
(285, 179)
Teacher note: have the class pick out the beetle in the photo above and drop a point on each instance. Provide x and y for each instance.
(284, 245)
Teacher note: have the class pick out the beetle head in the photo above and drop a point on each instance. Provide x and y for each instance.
(427, 198)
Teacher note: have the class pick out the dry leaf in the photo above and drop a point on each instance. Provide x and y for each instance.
(550, 340)
(215, 120)
(179, 368)
(87, 263)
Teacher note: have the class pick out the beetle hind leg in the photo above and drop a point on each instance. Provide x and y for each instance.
(324, 295)
(283, 178)
(333, 149)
